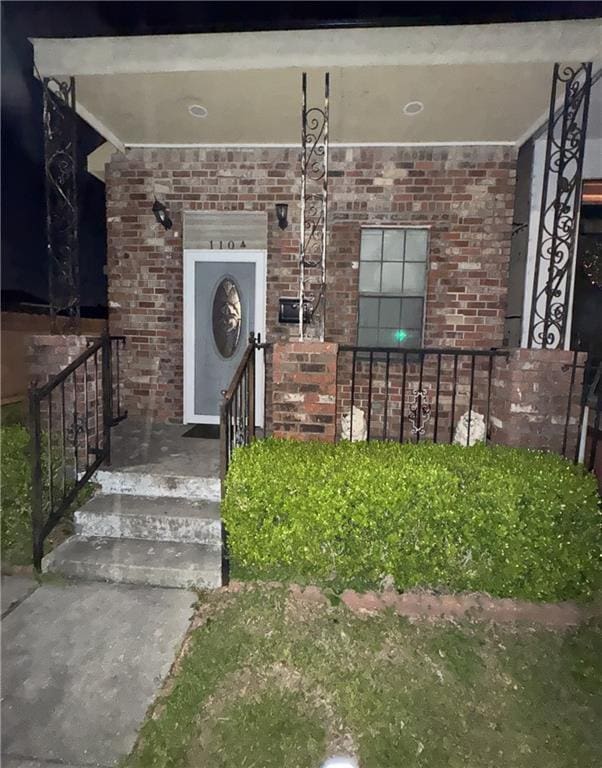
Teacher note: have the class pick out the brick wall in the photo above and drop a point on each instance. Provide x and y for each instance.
(465, 196)
(17, 330)
(525, 396)
(532, 396)
(47, 354)
(304, 390)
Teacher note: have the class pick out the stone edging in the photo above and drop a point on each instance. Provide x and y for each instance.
(426, 605)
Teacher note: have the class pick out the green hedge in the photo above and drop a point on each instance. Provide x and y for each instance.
(510, 522)
(15, 478)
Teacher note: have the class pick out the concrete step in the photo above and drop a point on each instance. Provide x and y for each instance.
(158, 485)
(134, 561)
(121, 516)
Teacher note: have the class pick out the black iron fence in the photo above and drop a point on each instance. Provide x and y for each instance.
(70, 419)
(462, 395)
(387, 393)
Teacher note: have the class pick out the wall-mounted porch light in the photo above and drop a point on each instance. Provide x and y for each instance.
(282, 215)
(161, 216)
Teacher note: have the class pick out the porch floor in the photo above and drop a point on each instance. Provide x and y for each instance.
(161, 449)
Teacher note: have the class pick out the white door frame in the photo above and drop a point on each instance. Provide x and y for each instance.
(191, 257)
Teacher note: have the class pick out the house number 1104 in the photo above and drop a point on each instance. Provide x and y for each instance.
(229, 244)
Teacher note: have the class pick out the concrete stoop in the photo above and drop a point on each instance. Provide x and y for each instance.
(137, 561)
(158, 530)
(158, 485)
(121, 516)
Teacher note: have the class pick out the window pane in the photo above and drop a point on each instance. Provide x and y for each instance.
(413, 277)
(393, 245)
(371, 245)
(416, 244)
(368, 312)
(411, 313)
(392, 284)
(392, 273)
(412, 340)
(367, 337)
(388, 337)
(370, 276)
(390, 313)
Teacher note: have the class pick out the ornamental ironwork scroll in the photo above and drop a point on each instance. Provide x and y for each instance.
(60, 163)
(560, 203)
(419, 412)
(314, 210)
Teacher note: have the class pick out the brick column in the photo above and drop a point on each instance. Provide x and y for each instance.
(530, 399)
(304, 390)
(73, 403)
(47, 354)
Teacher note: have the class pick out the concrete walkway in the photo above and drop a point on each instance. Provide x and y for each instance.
(81, 663)
(14, 590)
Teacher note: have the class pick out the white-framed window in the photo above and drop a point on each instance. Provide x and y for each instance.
(392, 287)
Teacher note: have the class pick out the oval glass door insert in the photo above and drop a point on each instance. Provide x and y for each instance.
(226, 317)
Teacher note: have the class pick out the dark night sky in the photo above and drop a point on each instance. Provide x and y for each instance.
(24, 264)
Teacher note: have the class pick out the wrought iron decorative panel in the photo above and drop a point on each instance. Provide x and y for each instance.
(60, 157)
(226, 320)
(419, 412)
(314, 209)
(560, 203)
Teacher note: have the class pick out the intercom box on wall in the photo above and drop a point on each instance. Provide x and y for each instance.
(289, 311)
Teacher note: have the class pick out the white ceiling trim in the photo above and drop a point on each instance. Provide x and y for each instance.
(99, 126)
(540, 124)
(531, 42)
(332, 144)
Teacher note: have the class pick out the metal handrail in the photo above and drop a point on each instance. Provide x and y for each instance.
(70, 458)
(237, 422)
(237, 410)
(228, 394)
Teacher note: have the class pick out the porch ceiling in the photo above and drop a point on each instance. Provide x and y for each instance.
(477, 84)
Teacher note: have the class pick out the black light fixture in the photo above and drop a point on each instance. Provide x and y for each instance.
(282, 215)
(160, 212)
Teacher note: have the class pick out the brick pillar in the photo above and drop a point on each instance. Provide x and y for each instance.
(304, 390)
(530, 399)
(47, 354)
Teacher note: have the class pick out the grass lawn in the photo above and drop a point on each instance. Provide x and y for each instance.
(269, 680)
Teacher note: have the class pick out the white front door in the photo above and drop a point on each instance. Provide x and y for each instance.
(224, 301)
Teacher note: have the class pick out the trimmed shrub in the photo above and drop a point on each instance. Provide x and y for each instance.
(510, 522)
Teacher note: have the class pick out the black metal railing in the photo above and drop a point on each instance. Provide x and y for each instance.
(237, 413)
(414, 394)
(583, 411)
(238, 425)
(70, 420)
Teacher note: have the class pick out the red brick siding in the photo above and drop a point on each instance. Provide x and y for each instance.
(465, 195)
